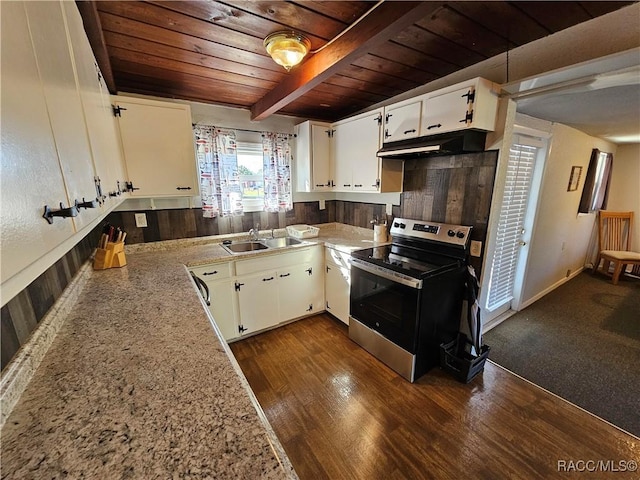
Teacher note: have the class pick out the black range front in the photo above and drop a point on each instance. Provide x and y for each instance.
(406, 298)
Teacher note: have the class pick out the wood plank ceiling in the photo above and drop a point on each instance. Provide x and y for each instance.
(212, 52)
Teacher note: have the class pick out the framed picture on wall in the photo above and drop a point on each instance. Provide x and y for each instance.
(574, 179)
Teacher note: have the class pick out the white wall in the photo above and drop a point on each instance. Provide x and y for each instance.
(560, 239)
(624, 190)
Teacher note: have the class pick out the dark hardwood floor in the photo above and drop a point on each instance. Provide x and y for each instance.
(342, 414)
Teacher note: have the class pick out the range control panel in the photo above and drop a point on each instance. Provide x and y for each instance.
(433, 231)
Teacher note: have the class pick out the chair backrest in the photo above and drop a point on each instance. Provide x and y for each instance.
(615, 230)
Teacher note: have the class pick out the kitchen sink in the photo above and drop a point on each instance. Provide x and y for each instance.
(281, 242)
(240, 247)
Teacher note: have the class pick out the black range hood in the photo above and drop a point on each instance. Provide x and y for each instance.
(462, 141)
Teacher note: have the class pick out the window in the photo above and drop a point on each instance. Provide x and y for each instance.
(596, 183)
(250, 170)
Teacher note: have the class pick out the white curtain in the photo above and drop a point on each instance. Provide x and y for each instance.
(216, 151)
(277, 172)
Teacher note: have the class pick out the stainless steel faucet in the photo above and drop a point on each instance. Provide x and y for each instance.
(254, 232)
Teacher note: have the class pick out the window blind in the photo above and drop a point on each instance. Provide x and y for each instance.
(509, 231)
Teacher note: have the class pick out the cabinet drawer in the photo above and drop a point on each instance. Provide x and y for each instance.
(214, 271)
(274, 262)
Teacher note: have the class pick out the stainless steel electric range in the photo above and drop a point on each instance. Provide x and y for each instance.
(406, 297)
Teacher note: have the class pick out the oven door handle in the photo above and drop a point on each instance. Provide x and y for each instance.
(386, 274)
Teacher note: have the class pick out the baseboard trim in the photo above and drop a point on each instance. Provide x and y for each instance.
(493, 323)
(550, 289)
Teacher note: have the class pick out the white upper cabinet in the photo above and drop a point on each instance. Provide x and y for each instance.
(158, 145)
(30, 175)
(402, 120)
(96, 103)
(313, 162)
(342, 157)
(356, 142)
(55, 64)
(471, 104)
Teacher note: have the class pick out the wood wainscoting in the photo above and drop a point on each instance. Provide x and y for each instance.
(342, 414)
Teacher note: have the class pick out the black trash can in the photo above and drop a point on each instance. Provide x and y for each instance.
(456, 359)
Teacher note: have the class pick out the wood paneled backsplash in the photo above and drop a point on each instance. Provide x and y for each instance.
(453, 189)
(22, 314)
(189, 222)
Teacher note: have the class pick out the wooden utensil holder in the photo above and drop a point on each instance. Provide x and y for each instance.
(110, 257)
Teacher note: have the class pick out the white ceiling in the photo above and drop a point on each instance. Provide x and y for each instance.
(600, 97)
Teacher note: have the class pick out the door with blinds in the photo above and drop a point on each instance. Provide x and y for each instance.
(509, 251)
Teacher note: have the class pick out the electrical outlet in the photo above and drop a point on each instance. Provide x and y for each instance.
(476, 248)
(141, 219)
(322, 205)
(389, 209)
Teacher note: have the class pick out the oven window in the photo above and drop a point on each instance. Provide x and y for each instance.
(387, 307)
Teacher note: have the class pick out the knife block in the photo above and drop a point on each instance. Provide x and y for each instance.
(110, 257)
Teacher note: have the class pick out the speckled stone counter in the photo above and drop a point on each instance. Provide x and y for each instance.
(137, 383)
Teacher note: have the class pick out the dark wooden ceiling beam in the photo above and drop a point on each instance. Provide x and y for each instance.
(92, 27)
(386, 21)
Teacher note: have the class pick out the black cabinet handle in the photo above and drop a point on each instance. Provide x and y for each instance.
(346, 184)
(285, 275)
(437, 125)
(183, 188)
(267, 279)
(357, 185)
(210, 273)
(413, 130)
(468, 118)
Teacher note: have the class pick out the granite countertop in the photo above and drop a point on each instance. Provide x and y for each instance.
(137, 383)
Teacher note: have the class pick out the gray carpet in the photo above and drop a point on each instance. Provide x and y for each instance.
(581, 342)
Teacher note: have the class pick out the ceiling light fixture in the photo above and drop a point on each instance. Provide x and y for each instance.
(287, 48)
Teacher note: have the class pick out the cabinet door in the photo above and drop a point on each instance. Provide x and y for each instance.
(30, 175)
(355, 145)
(447, 112)
(157, 141)
(300, 290)
(294, 295)
(55, 64)
(257, 301)
(337, 284)
(96, 103)
(343, 149)
(402, 122)
(321, 164)
(223, 308)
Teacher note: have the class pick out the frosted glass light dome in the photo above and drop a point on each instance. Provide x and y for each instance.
(287, 48)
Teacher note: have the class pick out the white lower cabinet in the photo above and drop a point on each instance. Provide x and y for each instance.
(251, 295)
(257, 295)
(291, 290)
(222, 305)
(337, 283)
(223, 308)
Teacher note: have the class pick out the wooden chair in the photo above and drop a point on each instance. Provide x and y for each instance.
(614, 243)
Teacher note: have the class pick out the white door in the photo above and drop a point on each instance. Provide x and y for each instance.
(509, 248)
